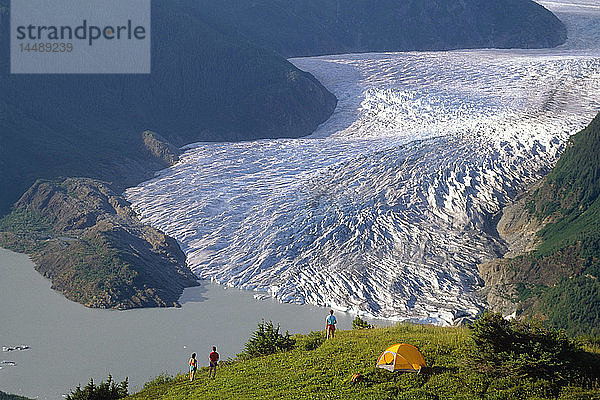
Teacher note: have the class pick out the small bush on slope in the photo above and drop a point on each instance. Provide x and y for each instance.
(359, 323)
(267, 340)
(528, 350)
(311, 341)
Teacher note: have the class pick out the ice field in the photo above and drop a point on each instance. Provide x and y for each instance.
(386, 209)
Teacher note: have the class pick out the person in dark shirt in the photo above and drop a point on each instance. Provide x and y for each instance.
(213, 359)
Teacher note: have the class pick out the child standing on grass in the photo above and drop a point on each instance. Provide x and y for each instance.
(213, 359)
(193, 366)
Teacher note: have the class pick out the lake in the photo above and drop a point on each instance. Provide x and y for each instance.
(71, 343)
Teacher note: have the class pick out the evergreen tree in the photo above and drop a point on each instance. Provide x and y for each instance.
(108, 390)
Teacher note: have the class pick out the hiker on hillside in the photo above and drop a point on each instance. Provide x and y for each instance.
(193, 366)
(213, 359)
(330, 322)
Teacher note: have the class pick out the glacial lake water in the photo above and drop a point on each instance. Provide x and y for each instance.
(70, 343)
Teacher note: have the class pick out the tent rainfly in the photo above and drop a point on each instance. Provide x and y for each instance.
(401, 357)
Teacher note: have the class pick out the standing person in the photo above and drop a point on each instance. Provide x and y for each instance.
(330, 322)
(213, 359)
(193, 366)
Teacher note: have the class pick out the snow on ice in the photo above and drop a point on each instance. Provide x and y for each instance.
(386, 209)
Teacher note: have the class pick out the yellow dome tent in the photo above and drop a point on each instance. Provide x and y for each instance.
(401, 357)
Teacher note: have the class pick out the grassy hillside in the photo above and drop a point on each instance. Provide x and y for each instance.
(325, 372)
(560, 279)
(569, 200)
(570, 196)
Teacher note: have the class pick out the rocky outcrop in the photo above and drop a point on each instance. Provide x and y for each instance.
(506, 278)
(518, 227)
(89, 242)
(160, 148)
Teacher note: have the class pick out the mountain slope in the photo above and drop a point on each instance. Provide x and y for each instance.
(6, 396)
(89, 242)
(222, 87)
(315, 27)
(559, 278)
(219, 87)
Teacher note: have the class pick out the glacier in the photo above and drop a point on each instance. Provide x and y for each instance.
(387, 209)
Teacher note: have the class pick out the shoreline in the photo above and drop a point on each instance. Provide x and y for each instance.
(136, 343)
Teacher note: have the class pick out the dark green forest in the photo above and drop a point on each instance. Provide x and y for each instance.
(315, 27)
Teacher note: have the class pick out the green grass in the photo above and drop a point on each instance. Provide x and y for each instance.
(324, 373)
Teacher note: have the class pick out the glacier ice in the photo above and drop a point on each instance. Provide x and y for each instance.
(387, 208)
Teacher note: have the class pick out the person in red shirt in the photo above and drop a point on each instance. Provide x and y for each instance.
(213, 359)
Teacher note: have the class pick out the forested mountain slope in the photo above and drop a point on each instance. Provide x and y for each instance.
(558, 280)
(314, 27)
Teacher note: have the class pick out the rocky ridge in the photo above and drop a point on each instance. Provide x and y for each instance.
(90, 243)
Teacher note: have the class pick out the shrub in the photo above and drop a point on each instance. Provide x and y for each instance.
(590, 341)
(160, 380)
(108, 390)
(525, 349)
(311, 341)
(267, 340)
(359, 323)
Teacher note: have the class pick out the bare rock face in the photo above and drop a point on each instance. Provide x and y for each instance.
(518, 227)
(160, 148)
(499, 291)
(90, 243)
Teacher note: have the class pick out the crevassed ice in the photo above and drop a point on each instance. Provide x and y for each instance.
(386, 209)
